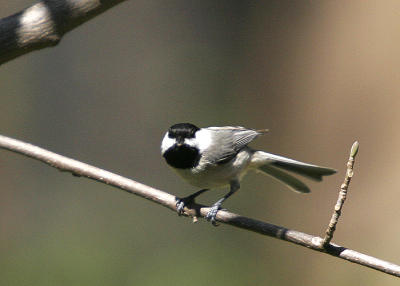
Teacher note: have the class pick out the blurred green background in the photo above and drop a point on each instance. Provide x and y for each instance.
(318, 74)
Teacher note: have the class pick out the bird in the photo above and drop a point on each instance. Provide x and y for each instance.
(215, 157)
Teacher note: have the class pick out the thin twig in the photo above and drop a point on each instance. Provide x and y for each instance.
(342, 196)
(167, 200)
(44, 24)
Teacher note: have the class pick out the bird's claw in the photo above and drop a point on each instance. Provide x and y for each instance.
(212, 213)
(180, 205)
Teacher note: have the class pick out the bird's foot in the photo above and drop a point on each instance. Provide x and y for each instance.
(181, 203)
(212, 213)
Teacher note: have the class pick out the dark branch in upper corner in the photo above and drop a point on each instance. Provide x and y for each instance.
(167, 200)
(44, 24)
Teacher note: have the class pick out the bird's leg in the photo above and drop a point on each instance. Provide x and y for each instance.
(212, 213)
(181, 203)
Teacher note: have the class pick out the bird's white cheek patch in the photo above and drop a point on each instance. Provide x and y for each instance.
(166, 143)
(203, 138)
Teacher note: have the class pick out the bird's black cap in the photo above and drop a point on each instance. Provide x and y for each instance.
(182, 130)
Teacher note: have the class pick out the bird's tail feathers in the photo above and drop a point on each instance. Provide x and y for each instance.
(293, 183)
(273, 165)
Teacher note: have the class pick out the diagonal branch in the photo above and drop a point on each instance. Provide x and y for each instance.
(44, 24)
(167, 200)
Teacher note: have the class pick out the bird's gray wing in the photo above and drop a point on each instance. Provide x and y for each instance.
(229, 140)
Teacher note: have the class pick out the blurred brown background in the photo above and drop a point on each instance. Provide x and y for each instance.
(319, 75)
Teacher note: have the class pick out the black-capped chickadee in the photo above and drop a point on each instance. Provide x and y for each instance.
(219, 156)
